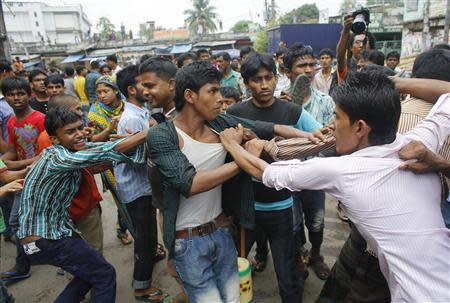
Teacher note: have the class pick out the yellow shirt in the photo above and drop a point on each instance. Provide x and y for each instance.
(78, 84)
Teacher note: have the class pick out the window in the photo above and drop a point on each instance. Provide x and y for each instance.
(37, 23)
(35, 14)
(412, 5)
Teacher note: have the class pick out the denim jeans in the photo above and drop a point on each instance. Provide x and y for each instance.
(22, 261)
(143, 216)
(277, 225)
(309, 207)
(207, 266)
(89, 268)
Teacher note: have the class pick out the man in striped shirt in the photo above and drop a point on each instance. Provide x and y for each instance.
(46, 231)
(397, 212)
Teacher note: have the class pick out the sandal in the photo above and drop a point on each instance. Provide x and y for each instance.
(302, 261)
(259, 265)
(156, 296)
(160, 253)
(320, 268)
(124, 237)
(13, 276)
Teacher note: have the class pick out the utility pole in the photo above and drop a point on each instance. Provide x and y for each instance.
(426, 24)
(4, 44)
(447, 23)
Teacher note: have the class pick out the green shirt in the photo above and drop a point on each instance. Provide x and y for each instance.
(231, 80)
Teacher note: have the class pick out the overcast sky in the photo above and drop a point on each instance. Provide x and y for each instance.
(169, 13)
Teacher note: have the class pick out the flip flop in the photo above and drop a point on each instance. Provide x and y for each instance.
(13, 276)
(124, 237)
(300, 89)
(259, 265)
(160, 253)
(151, 297)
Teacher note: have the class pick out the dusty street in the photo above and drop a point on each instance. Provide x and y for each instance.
(44, 284)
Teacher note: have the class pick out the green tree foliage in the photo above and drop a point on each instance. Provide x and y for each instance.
(105, 27)
(347, 6)
(245, 26)
(201, 18)
(307, 13)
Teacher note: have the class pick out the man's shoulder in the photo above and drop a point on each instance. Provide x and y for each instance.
(237, 107)
(321, 95)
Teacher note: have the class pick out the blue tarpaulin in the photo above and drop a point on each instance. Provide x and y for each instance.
(181, 48)
(72, 58)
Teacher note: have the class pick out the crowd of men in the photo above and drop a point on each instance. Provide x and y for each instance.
(222, 155)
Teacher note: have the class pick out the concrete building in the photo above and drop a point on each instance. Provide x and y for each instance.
(30, 23)
(423, 25)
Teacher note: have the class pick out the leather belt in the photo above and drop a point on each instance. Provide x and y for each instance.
(201, 230)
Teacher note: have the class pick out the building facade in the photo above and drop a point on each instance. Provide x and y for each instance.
(30, 23)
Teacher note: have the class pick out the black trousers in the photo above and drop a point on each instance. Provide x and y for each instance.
(143, 216)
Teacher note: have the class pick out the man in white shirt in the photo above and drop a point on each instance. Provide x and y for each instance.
(397, 212)
(111, 60)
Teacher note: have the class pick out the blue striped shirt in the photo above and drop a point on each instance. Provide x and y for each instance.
(52, 183)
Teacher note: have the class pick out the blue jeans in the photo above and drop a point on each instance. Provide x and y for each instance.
(311, 205)
(207, 266)
(22, 261)
(277, 225)
(89, 268)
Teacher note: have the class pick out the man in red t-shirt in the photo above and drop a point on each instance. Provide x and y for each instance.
(23, 131)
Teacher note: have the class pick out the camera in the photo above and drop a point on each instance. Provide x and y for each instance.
(361, 19)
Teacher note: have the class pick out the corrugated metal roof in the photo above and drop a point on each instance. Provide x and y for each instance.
(72, 58)
(181, 48)
(214, 43)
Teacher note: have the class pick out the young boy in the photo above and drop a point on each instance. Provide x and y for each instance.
(23, 130)
(46, 230)
(54, 85)
(40, 97)
(230, 96)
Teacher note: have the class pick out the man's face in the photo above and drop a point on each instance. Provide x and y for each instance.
(305, 65)
(325, 61)
(204, 56)
(71, 136)
(358, 45)
(17, 99)
(54, 89)
(157, 91)
(222, 64)
(227, 102)
(280, 59)
(345, 133)
(111, 63)
(207, 102)
(84, 72)
(262, 86)
(187, 61)
(76, 108)
(392, 62)
(37, 83)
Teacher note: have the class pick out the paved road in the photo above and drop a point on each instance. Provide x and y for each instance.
(45, 284)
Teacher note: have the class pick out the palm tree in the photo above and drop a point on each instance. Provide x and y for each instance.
(201, 18)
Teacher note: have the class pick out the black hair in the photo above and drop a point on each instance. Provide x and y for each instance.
(95, 64)
(15, 83)
(442, 46)
(280, 52)
(326, 52)
(225, 56)
(144, 57)
(373, 55)
(371, 96)
(36, 72)
(254, 62)
(393, 54)
(432, 64)
(295, 52)
(201, 51)
(193, 77)
(186, 56)
(54, 79)
(59, 117)
(245, 51)
(79, 69)
(127, 77)
(230, 92)
(105, 66)
(381, 69)
(162, 67)
(112, 58)
(61, 101)
(69, 71)
(5, 66)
